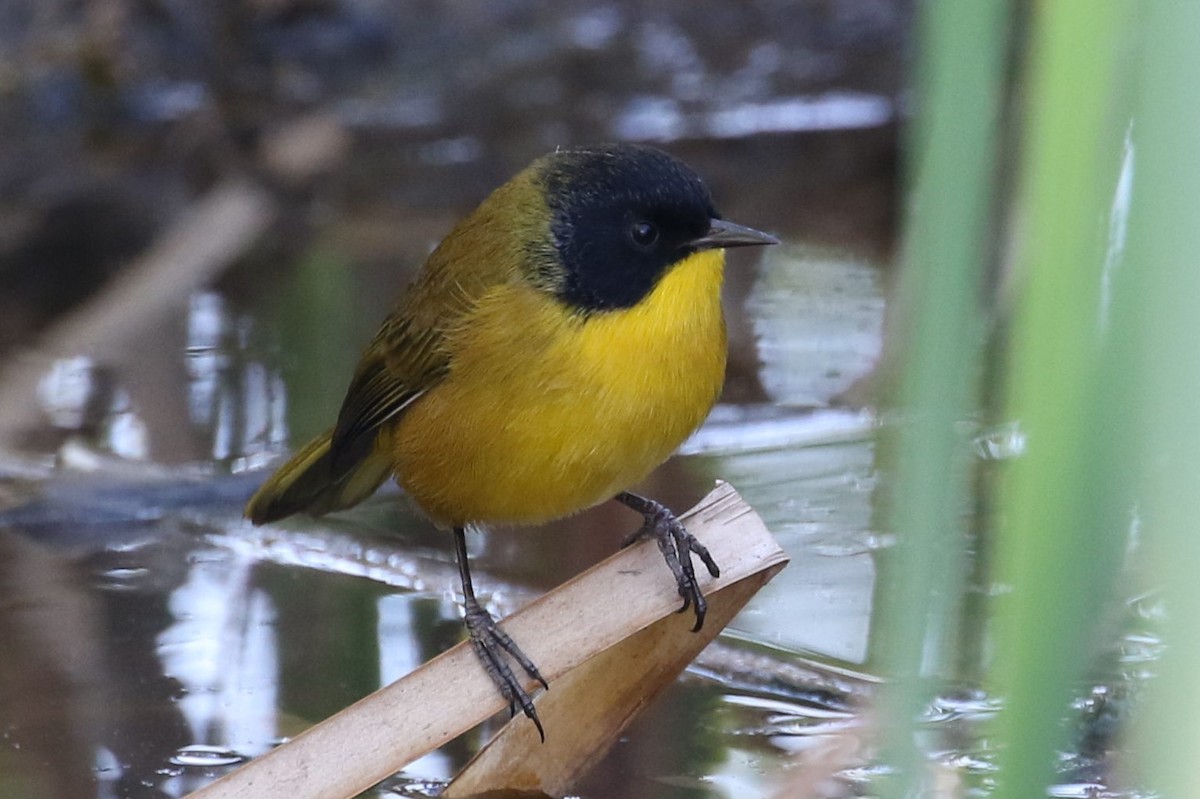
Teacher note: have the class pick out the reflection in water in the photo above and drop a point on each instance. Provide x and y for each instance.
(51, 674)
(206, 357)
(223, 651)
(817, 501)
(78, 395)
(234, 400)
(819, 324)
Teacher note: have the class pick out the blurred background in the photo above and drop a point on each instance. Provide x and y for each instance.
(205, 212)
(207, 209)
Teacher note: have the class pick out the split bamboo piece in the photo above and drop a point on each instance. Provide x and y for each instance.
(606, 641)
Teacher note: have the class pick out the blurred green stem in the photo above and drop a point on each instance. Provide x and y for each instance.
(1061, 522)
(960, 81)
(1164, 239)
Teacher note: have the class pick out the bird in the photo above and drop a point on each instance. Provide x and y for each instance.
(556, 347)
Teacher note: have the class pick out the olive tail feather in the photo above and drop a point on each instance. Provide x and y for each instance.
(308, 483)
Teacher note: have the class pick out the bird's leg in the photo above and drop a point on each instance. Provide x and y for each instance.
(490, 644)
(677, 546)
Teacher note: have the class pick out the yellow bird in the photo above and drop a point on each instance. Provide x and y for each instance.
(556, 347)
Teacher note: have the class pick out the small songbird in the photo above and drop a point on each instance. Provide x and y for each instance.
(556, 347)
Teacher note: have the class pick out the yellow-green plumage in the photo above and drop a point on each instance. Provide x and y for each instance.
(491, 400)
(555, 348)
(590, 405)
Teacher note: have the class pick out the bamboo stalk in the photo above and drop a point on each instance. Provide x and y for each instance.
(561, 631)
(948, 245)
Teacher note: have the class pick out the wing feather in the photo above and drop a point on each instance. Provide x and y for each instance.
(400, 365)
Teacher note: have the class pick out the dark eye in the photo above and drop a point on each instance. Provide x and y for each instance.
(644, 235)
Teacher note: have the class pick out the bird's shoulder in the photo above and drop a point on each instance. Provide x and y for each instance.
(411, 353)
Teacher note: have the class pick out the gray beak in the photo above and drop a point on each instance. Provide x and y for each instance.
(722, 235)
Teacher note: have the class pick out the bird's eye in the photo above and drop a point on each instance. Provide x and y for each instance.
(644, 235)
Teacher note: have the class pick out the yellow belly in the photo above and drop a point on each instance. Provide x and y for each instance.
(544, 414)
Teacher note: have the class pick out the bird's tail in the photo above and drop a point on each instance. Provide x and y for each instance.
(308, 483)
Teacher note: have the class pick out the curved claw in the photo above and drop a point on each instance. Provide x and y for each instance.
(490, 643)
(677, 546)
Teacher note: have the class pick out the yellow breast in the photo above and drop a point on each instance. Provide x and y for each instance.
(545, 413)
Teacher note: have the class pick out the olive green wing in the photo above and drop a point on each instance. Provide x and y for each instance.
(344, 465)
(408, 357)
(402, 363)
